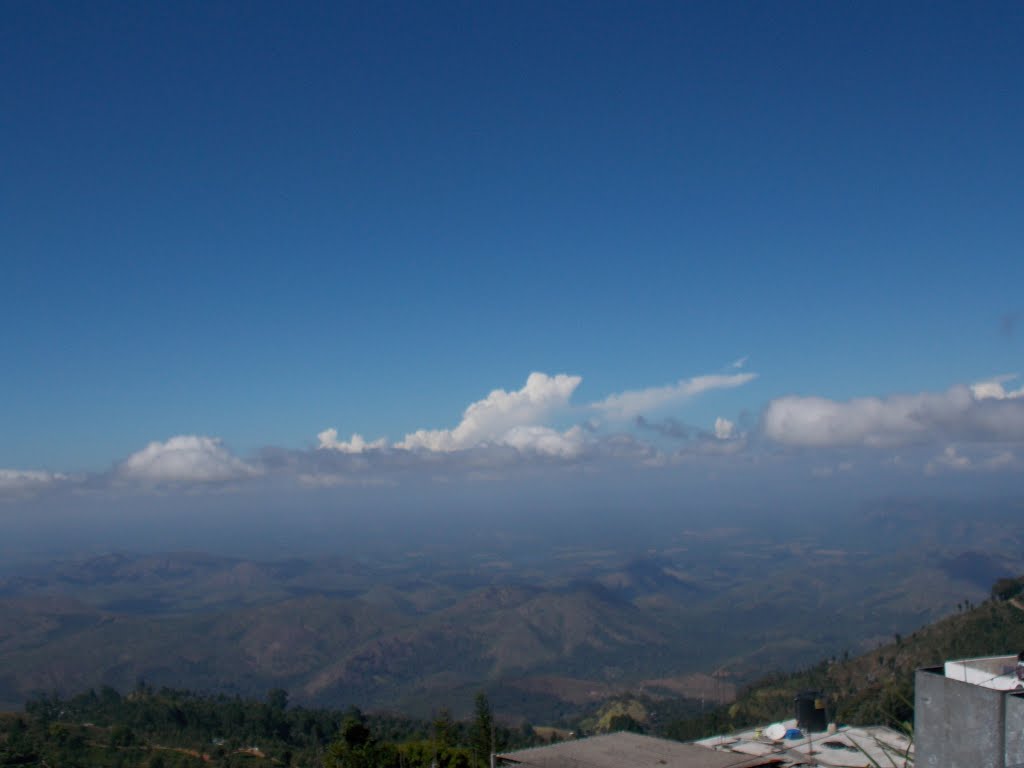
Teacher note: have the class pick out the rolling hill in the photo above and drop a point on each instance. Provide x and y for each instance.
(548, 632)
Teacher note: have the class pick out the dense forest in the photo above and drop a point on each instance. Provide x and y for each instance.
(169, 728)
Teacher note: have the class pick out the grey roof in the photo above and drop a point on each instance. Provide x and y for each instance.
(847, 747)
(625, 750)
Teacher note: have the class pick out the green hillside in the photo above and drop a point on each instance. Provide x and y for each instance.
(875, 687)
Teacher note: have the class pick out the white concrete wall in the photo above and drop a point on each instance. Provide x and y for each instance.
(996, 672)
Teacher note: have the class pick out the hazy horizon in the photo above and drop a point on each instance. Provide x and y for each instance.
(267, 270)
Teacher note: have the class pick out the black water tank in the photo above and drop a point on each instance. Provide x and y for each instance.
(811, 715)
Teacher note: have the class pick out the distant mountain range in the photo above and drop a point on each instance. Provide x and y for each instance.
(546, 633)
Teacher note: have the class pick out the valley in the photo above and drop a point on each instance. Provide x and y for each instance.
(546, 629)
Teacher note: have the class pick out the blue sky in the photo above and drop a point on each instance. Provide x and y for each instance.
(229, 227)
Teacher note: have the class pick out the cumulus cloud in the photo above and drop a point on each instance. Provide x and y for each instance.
(627, 405)
(505, 418)
(185, 458)
(959, 414)
(26, 479)
(546, 441)
(328, 440)
(993, 389)
(521, 420)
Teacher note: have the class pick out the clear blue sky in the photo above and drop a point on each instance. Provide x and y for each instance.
(254, 221)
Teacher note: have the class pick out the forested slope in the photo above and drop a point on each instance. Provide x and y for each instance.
(877, 687)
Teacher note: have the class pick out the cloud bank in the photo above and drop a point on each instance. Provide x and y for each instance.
(12, 480)
(328, 440)
(953, 460)
(967, 429)
(983, 413)
(518, 419)
(185, 458)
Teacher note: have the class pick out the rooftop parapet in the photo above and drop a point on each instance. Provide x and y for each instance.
(996, 672)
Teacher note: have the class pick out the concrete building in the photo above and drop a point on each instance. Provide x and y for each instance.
(970, 714)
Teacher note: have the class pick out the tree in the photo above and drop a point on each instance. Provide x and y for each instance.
(110, 699)
(18, 748)
(482, 738)
(444, 729)
(625, 722)
(358, 749)
(1005, 589)
(355, 734)
(121, 736)
(277, 698)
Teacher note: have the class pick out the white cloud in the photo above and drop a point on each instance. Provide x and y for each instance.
(626, 405)
(818, 421)
(724, 428)
(546, 441)
(356, 444)
(949, 459)
(500, 417)
(185, 458)
(993, 389)
(26, 479)
(959, 414)
(952, 460)
(740, 362)
(520, 419)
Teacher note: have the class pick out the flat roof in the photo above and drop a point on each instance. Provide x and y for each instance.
(625, 750)
(847, 747)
